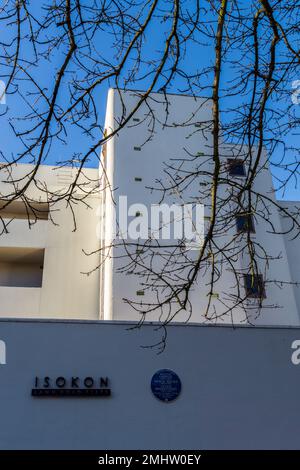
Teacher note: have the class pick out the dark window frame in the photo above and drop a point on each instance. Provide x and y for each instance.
(257, 291)
(244, 229)
(232, 164)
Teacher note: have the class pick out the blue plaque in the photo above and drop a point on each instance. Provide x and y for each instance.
(165, 385)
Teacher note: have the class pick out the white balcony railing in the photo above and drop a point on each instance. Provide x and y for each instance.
(20, 302)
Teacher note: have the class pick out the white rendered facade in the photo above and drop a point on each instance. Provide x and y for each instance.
(133, 163)
(129, 167)
(41, 267)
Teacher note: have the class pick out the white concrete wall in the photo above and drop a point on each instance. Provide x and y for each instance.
(292, 243)
(173, 139)
(66, 292)
(106, 176)
(240, 389)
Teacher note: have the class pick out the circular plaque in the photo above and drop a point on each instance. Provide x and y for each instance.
(165, 385)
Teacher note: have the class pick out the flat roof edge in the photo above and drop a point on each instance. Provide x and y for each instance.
(190, 95)
(134, 325)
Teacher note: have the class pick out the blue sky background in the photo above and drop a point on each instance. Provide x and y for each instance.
(45, 70)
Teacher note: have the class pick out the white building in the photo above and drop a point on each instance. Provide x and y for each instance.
(135, 160)
(43, 269)
(42, 265)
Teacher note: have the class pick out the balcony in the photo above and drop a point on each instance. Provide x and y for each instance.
(21, 277)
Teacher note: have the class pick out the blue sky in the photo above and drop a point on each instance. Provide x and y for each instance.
(196, 58)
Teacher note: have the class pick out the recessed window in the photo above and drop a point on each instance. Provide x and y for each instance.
(236, 167)
(244, 223)
(136, 120)
(21, 267)
(140, 292)
(138, 179)
(138, 149)
(255, 286)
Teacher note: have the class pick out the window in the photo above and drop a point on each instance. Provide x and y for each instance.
(236, 167)
(21, 267)
(244, 223)
(255, 286)
(138, 149)
(138, 179)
